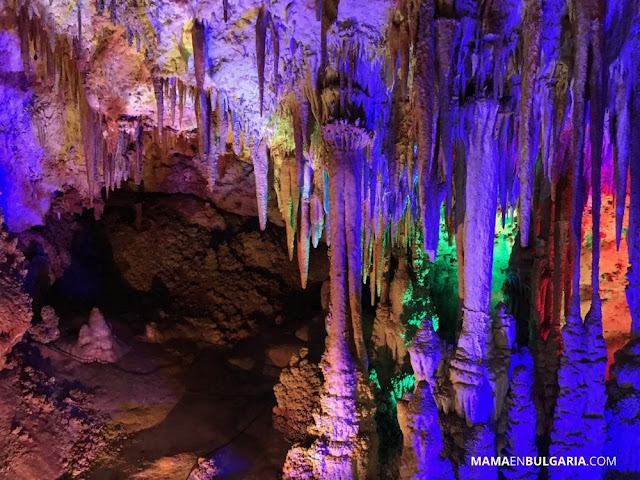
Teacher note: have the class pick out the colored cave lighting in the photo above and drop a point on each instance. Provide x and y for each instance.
(474, 164)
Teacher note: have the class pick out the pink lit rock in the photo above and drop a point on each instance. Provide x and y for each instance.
(96, 342)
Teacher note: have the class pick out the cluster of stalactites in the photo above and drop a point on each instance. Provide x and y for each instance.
(112, 147)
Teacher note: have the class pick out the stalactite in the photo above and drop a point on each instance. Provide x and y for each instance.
(528, 151)
(275, 41)
(137, 172)
(158, 88)
(304, 232)
(79, 14)
(622, 138)
(424, 85)
(445, 35)
(261, 40)
(289, 195)
(596, 129)
(182, 93)
(203, 115)
(173, 100)
(316, 213)
(260, 159)
(623, 428)
(633, 234)
(114, 11)
(577, 147)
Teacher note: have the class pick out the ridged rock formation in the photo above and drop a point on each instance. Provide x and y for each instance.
(383, 130)
(578, 424)
(15, 303)
(521, 417)
(423, 454)
(297, 395)
(469, 366)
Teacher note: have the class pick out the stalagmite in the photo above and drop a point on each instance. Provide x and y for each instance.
(521, 417)
(578, 424)
(422, 453)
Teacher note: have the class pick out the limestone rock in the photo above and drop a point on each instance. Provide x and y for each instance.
(96, 342)
(15, 304)
(297, 396)
(46, 331)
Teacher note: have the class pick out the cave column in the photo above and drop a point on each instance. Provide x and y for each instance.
(338, 422)
(473, 397)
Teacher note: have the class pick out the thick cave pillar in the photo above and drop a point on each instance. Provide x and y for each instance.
(473, 396)
(623, 424)
(347, 443)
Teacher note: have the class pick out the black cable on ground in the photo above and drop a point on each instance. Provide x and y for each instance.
(115, 366)
(211, 453)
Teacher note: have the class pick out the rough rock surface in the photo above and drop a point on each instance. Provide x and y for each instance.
(46, 331)
(623, 425)
(579, 424)
(298, 396)
(212, 271)
(15, 304)
(521, 416)
(423, 455)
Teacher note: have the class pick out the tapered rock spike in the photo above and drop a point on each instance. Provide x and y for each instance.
(261, 39)
(532, 35)
(260, 159)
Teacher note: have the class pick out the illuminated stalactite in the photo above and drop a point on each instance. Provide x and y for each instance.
(546, 64)
(260, 158)
(424, 85)
(528, 148)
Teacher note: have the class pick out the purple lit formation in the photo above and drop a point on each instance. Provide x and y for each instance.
(474, 164)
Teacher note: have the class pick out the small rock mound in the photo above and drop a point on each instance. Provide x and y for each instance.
(96, 342)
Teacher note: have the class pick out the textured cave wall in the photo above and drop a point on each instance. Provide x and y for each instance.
(213, 268)
(15, 303)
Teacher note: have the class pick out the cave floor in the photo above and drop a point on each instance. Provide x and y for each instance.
(150, 416)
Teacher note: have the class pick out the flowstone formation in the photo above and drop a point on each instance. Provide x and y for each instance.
(386, 130)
